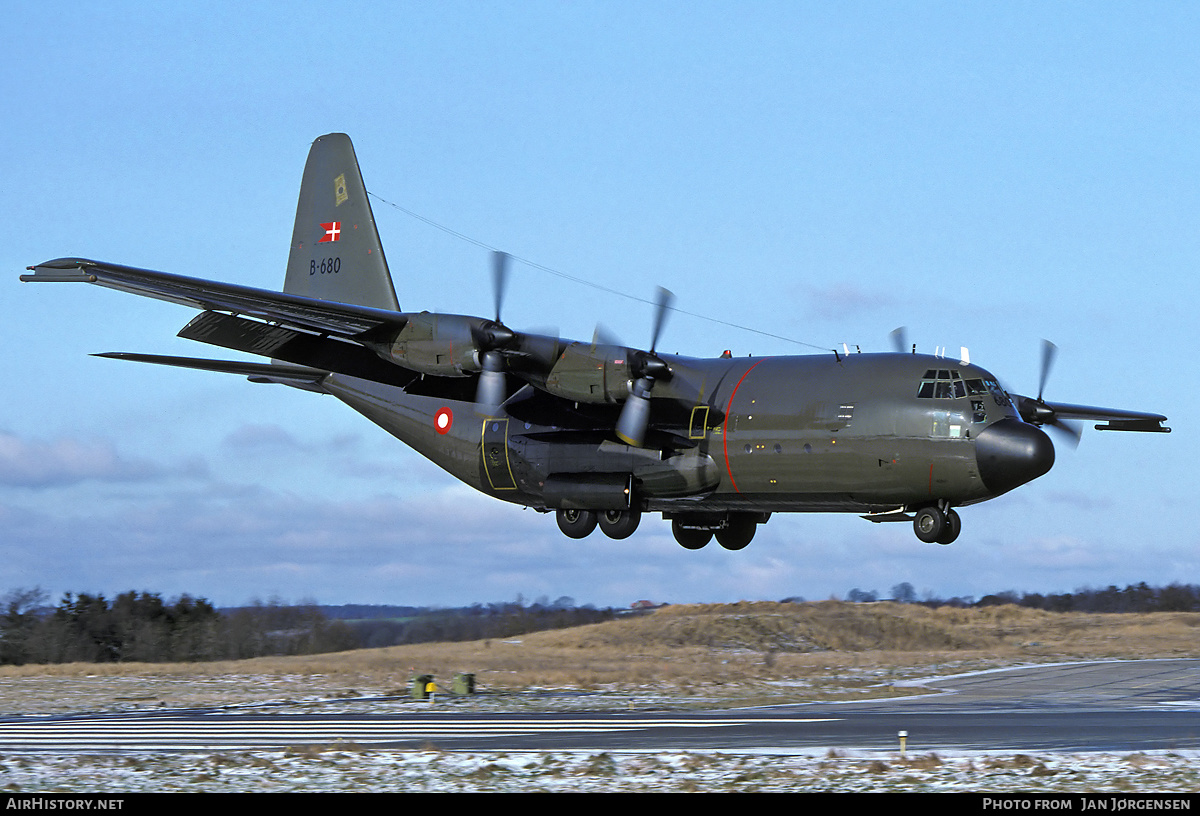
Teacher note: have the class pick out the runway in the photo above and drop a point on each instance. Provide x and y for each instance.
(1100, 706)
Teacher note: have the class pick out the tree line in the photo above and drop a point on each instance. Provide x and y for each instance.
(1133, 598)
(1141, 597)
(142, 626)
(477, 622)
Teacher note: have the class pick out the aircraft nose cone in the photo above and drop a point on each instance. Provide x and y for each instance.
(1010, 453)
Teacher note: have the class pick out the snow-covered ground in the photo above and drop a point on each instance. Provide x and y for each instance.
(346, 769)
(350, 768)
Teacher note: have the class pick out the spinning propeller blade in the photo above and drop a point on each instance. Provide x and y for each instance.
(499, 278)
(1039, 412)
(493, 385)
(648, 368)
(665, 297)
(1049, 352)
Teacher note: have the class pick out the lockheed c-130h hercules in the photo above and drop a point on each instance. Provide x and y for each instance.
(600, 433)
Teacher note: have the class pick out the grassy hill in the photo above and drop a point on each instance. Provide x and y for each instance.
(743, 651)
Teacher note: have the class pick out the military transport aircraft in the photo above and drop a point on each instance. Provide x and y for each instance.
(600, 433)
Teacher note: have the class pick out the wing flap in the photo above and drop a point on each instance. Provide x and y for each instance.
(294, 346)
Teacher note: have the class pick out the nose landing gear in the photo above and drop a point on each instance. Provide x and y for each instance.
(934, 525)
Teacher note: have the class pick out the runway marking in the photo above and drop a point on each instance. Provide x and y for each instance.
(157, 732)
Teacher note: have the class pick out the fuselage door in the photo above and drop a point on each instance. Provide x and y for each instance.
(698, 427)
(494, 450)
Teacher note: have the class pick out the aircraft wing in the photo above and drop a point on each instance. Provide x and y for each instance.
(1041, 412)
(1116, 419)
(341, 319)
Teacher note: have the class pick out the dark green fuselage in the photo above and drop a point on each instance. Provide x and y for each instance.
(860, 433)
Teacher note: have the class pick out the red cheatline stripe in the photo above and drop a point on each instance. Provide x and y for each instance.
(725, 427)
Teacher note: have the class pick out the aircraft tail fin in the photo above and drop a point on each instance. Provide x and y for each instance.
(336, 254)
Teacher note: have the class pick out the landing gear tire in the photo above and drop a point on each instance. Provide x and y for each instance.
(576, 523)
(690, 539)
(930, 524)
(952, 529)
(737, 533)
(619, 524)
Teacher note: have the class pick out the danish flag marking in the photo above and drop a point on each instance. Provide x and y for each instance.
(333, 231)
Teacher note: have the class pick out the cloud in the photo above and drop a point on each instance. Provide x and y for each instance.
(262, 437)
(67, 461)
(1080, 500)
(844, 299)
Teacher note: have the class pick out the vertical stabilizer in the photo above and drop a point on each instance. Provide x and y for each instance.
(336, 254)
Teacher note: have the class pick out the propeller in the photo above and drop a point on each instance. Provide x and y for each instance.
(491, 339)
(604, 336)
(899, 337)
(1038, 411)
(1049, 352)
(499, 278)
(648, 368)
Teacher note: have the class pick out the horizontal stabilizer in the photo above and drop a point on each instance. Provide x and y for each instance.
(267, 371)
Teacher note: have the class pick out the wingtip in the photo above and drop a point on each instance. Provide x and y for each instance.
(61, 269)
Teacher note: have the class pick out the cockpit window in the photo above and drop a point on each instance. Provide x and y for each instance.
(942, 383)
(946, 383)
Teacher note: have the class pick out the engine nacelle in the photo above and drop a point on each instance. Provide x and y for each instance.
(588, 373)
(438, 344)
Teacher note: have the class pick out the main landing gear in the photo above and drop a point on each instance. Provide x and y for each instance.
(616, 524)
(733, 531)
(934, 525)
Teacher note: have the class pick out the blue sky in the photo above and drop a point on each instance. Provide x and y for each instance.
(985, 174)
